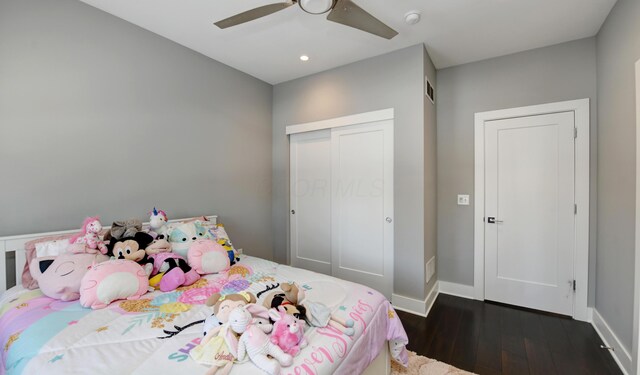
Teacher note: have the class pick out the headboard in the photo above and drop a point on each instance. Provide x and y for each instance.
(15, 244)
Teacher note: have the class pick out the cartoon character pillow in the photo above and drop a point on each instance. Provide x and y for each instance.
(182, 236)
(112, 280)
(208, 256)
(133, 248)
(59, 277)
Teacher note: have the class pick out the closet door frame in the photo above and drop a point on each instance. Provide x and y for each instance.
(361, 118)
(338, 122)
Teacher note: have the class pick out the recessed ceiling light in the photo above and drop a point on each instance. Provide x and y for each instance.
(304, 58)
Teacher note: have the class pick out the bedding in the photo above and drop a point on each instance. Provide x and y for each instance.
(48, 243)
(154, 335)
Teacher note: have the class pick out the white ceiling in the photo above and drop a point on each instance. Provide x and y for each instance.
(454, 31)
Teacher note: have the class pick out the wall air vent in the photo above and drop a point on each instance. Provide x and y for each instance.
(429, 91)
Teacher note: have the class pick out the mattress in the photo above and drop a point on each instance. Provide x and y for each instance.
(154, 335)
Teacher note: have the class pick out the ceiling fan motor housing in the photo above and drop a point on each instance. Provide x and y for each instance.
(316, 6)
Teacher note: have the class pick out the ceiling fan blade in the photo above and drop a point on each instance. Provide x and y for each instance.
(253, 14)
(346, 12)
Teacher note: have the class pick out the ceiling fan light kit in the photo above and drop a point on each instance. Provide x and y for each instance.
(344, 12)
(316, 6)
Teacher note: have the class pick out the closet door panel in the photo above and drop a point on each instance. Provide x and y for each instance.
(362, 204)
(311, 201)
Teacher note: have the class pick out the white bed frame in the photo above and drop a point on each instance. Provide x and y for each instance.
(15, 244)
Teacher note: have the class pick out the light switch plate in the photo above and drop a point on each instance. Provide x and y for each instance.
(463, 199)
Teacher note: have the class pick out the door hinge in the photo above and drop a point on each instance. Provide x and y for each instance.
(574, 286)
(575, 133)
(575, 209)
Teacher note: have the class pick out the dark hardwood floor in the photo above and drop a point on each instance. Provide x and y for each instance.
(489, 338)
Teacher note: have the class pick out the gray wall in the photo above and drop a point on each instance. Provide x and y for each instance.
(618, 50)
(551, 74)
(430, 167)
(394, 80)
(98, 116)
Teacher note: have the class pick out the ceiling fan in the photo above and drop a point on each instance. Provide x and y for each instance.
(344, 12)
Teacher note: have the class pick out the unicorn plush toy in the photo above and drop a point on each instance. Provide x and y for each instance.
(158, 222)
(90, 235)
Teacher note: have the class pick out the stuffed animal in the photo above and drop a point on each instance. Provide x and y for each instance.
(90, 236)
(174, 270)
(222, 305)
(316, 313)
(279, 298)
(112, 280)
(133, 248)
(219, 234)
(231, 253)
(158, 222)
(218, 349)
(159, 245)
(288, 331)
(123, 228)
(182, 236)
(59, 277)
(207, 256)
(210, 323)
(254, 341)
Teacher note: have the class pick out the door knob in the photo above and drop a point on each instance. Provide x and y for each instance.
(388, 219)
(492, 220)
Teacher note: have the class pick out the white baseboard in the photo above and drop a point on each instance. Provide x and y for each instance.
(431, 297)
(589, 315)
(415, 306)
(458, 290)
(410, 305)
(620, 353)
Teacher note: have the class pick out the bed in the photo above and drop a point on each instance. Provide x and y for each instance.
(155, 334)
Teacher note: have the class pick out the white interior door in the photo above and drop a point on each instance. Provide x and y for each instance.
(311, 200)
(362, 204)
(529, 211)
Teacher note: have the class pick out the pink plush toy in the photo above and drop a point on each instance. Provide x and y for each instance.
(90, 236)
(207, 256)
(252, 322)
(288, 331)
(174, 269)
(112, 280)
(59, 277)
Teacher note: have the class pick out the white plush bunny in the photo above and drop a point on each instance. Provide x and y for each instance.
(253, 322)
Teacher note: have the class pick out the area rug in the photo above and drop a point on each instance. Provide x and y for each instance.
(419, 365)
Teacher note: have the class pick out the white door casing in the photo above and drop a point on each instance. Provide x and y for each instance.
(362, 204)
(310, 200)
(529, 210)
(636, 303)
(580, 108)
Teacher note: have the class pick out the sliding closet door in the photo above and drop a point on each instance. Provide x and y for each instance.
(362, 204)
(311, 201)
